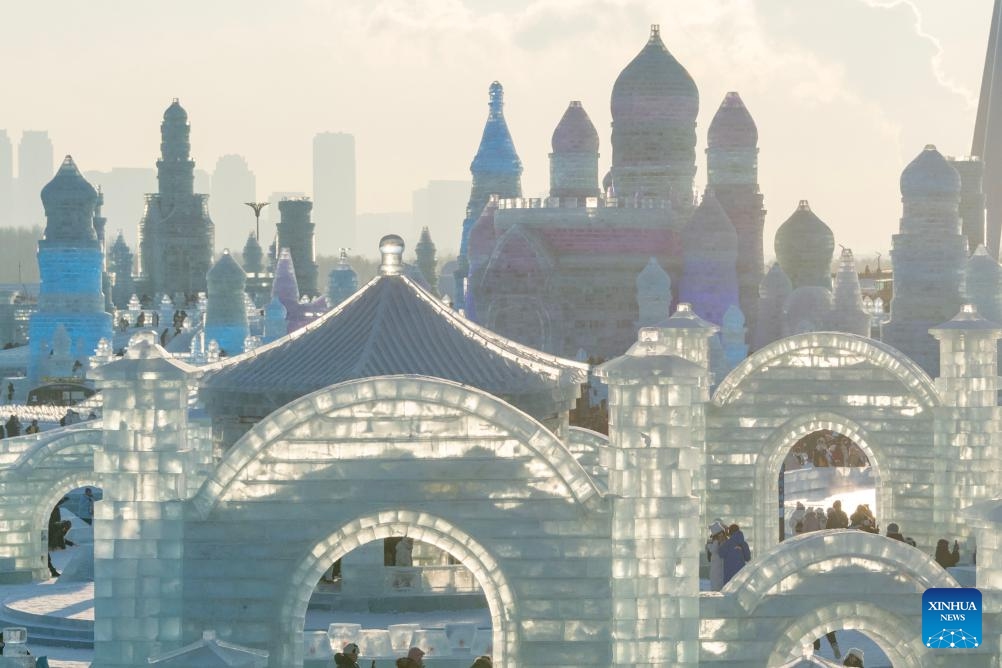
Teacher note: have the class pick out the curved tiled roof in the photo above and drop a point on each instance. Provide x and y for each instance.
(392, 326)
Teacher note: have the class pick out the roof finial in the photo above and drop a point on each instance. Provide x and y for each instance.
(391, 248)
(655, 31)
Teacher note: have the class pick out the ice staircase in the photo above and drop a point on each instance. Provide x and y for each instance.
(49, 630)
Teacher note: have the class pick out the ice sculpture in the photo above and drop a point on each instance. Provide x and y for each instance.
(774, 290)
(804, 247)
(226, 314)
(848, 314)
(653, 294)
(574, 160)
(342, 281)
(983, 284)
(427, 261)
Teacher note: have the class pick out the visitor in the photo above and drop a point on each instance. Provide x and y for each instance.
(56, 535)
(833, 641)
(348, 657)
(32, 428)
(863, 519)
(837, 519)
(797, 518)
(52, 569)
(13, 427)
(944, 557)
(10, 391)
(483, 662)
(735, 552)
(811, 521)
(87, 506)
(718, 534)
(893, 531)
(416, 656)
(3, 433)
(854, 657)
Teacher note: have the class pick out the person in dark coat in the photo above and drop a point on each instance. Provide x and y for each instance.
(944, 556)
(837, 519)
(735, 552)
(893, 531)
(348, 657)
(13, 427)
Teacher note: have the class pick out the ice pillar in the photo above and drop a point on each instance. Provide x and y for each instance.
(138, 529)
(655, 435)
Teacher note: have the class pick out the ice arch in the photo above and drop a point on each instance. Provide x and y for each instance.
(421, 527)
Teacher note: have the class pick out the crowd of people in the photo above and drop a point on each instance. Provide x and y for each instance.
(348, 658)
(825, 448)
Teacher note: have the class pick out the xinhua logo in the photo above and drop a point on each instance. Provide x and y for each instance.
(951, 618)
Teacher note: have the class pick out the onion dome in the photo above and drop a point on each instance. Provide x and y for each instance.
(776, 284)
(654, 72)
(732, 126)
(653, 280)
(929, 174)
(253, 255)
(804, 247)
(497, 150)
(176, 113)
(69, 205)
(710, 232)
(575, 133)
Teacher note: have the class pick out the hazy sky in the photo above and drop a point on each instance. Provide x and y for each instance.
(844, 92)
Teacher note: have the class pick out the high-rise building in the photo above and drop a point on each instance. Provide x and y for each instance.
(176, 233)
(6, 180)
(334, 190)
(434, 206)
(233, 184)
(34, 170)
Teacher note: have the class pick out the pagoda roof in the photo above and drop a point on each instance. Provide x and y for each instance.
(392, 326)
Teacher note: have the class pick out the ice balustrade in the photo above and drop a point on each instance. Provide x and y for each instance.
(583, 202)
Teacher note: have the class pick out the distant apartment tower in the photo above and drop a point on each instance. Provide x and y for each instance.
(334, 190)
(6, 180)
(233, 184)
(435, 206)
(34, 169)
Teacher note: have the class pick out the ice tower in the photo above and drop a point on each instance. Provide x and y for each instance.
(929, 254)
(709, 275)
(121, 268)
(654, 107)
(70, 266)
(848, 314)
(574, 160)
(342, 281)
(175, 234)
(983, 284)
(774, 290)
(804, 248)
(427, 262)
(226, 315)
(732, 173)
(496, 169)
(295, 232)
(653, 294)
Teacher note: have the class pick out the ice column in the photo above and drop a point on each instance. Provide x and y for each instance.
(138, 532)
(966, 460)
(655, 437)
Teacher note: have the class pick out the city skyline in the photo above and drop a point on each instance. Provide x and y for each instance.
(409, 81)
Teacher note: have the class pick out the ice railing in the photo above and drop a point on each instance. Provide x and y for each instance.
(583, 202)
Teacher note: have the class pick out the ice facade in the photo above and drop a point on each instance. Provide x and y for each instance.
(70, 264)
(709, 270)
(176, 233)
(929, 254)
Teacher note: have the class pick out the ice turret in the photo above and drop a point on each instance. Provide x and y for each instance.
(574, 160)
(928, 256)
(121, 268)
(732, 172)
(804, 248)
(295, 233)
(774, 290)
(427, 261)
(653, 294)
(285, 286)
(226, 315)
(809, 309)
(972, 200)
(70, 266)
(276, 324)
(709, 274)
(848, 314)
(253, 256)
(342, 281)
(496, 169)
(983, 284)
(654, 107)
(732, 337)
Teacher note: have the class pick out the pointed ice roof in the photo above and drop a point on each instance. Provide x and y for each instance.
(732, 126)
(575, 133)
(391, 326)
(710, 230)
(496, 153)
(653, 279)
(804, 247)
(69, 206)
(776, 283)
(226, 269)
(175, 112)
(285, 286)
(930, 174)
(69, 187)
(654, 72)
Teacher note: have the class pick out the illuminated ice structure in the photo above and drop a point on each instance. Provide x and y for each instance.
(586, 548)
(70, 319)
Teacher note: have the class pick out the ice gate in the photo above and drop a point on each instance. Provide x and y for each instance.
(593, 564)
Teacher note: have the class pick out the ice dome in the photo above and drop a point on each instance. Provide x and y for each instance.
(575, 133)
(775, 284)
(654, 280)
(804, 247)
(929, 174)
(175, 112)
(710, 232)
(253, 255)
(69, 205)
(732, 126)
(654, 72)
